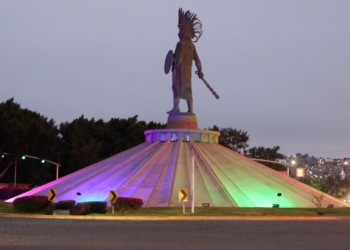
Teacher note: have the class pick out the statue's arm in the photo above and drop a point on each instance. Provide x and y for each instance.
(176, 57)
(198, 64)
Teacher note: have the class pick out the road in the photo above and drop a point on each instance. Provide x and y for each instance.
(27, 233)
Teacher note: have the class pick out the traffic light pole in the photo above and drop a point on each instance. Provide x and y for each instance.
(15, 178)
(54, 163)
(33, 157)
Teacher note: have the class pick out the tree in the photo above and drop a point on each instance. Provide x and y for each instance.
(81, 143)
(127, 133)
(336, 186)
(234, 139)
(84, 142)
(312, 183)
(27, 132)
(270, 154)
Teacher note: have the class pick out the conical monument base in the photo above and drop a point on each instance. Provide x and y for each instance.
(182, 120)
(164, 167)
(161, 168)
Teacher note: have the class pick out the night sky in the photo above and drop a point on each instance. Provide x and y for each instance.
(281, 68)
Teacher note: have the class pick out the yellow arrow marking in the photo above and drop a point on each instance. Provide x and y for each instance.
(113, 195)
(52, 195)
(183, 195)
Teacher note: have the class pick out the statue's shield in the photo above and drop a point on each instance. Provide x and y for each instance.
(168, 62)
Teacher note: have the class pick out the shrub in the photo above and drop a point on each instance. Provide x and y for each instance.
(79, 209)
(35, 203)
(127, 204)
(83, 208)
(98, 207)
(318, 200)
(65, 204)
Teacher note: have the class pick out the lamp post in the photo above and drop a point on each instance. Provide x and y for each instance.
(192, 184)
(293, 163)
(287, 167)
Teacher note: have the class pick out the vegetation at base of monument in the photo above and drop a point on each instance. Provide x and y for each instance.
(318, 200)
(124, 204)
(90, 207)
(34, 203)
(74, 145)
(7, 208)
(65, 204)
(79, 209)
(61, 205)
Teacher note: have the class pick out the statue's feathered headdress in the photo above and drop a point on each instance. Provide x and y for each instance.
(188, 20)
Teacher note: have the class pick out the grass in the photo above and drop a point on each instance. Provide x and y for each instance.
(213, 211)
(6, 207)
(228, 211)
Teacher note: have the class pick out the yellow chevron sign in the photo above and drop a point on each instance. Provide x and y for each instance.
(113, 195)
(52, 195)
(183, 195)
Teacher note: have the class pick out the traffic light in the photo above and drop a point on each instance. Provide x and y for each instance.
(2, 155)
(42, 161)
(23, 157)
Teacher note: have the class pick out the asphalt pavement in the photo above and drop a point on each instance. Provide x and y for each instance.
(101, 232)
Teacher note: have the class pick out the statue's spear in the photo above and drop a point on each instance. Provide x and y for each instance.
(209, 87)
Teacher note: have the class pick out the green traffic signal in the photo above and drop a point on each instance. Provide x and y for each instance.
(42, 160)
(2, 155)
(23, 157)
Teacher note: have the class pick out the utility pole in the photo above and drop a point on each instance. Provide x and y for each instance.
(3, 155)
(15, 176)
(334, 184)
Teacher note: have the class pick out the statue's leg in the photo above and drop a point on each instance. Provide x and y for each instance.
(190, 106)
(176, 108)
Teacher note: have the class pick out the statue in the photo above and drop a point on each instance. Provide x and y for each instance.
(190, 27)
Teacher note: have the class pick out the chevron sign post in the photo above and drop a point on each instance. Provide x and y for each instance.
(113, 195)
(183, 197)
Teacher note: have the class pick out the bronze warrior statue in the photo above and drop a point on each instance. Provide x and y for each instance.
(181, 61)
(190, 27)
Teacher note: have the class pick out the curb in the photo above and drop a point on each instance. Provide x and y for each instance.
(179, 218)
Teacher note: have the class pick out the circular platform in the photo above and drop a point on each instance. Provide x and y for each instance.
(182, 120)
(173, 135)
